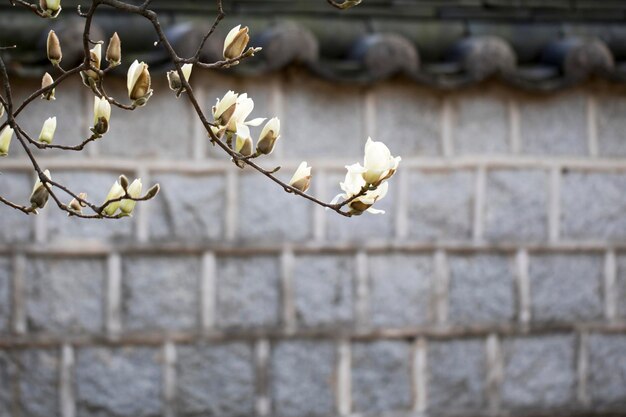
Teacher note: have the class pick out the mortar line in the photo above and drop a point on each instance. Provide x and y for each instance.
(169, 379)
(554, 204)
(523, 286)
(514, 132)
(480, 190)
(143, 216)
(592, 125)
(67, 400)
(420, 376)
(113, 300)
(582, 368)
(208, 292)
(447, 117)
(362, 290)
(287, 261)
(19, 296)
(344, 378)
(319, 214)
(402, 205)
(262, 356)
(610, 279)
(200, 138)
(442, 282)
(494, 373)
(232, 201)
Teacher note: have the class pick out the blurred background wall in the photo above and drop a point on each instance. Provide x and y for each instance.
(495, 283)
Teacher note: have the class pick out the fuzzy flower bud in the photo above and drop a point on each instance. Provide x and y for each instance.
(115, 192)
(50, 8)
(138, 83)
(301, 179)
(236, 42)
(268, 137)
(174, 81)
(53, 47)
(5, 140)
(101, 115)
(46, 81)
(47, 131)
(76, 205)
(40, 194)
(134, 190)
(95, 57)
(114, 51)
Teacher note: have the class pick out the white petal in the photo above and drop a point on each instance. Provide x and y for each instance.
(231, 36)
(256, 122)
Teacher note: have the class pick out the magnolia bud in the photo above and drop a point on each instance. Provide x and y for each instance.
(174, 79)
(243, 142)
(268, 137)
(115, 192)
(47, 131)
(153, 191)
(101, 115)
(76, 205)
(95, 57)
(236, 41)
(5, 140)
(134, 190)
(378, 163)
(40, 194)
(50, 8)
(301, 179)
(46, 81)
(54, 48)
(123, 181)
(114, 51)
(138, 83)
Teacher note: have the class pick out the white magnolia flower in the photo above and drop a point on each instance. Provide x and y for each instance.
(101, 115)
(138, 83)
(365, 202)
(353, 184)
(53, 5)
(116, 191)
(224, 108)
(48, 129)
(301, 179)
(235, 42)
(268, 137)
(378, 162)
(134, 190)
(243, 141)
(40, 194)
(5, 140)
(244, 107)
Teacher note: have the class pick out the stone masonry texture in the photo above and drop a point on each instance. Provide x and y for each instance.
(494, 284)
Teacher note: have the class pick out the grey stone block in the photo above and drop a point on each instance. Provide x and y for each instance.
(160, 292)
(481, 124)
(215, 380)
(121, 382)
(161, 129)
(593, 205)
(188, 207)
(324, 290)
(456, 377)
(321, 119)
(267, 212)
(607, 367)
(381, 376)
(302, 378)
(368, 226)
(96, 185)
(566, 287)
(481, 289)
(621, 285)
(441, 205)
(248, 293)
(70, 106)
(611, 125)
(65, 294)
(16, 226)
(38, 382)
(5, 294)
(401, 290)
(554, 125)
(539, 373)
(7, 380)
(408, 119)
(516, 205)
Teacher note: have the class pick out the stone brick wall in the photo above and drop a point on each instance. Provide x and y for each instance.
(494, 285)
